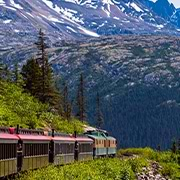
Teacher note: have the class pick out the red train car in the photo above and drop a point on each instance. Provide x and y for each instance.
(83, 148)
(8, 152)
(61, 149)
(33, 149)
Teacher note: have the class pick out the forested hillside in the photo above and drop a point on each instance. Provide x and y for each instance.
(137, 78)
(138, 81)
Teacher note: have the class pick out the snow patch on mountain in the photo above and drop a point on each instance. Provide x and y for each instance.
(88, 32)
(15, 5)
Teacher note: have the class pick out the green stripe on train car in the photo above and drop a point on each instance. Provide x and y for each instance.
(112, 150)
(101, 152)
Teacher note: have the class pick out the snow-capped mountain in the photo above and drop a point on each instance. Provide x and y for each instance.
(79, 18)
(20, 21)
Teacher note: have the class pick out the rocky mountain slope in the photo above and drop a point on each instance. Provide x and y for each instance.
(138, 79)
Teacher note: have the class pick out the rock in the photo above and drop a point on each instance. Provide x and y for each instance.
(151, 173)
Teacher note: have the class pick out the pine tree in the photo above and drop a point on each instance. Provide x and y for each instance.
(38, 77)
(1, 71)
(98, 112)
(16, 73)
(18, 79)
(67, 106)
(174, 147)
(42, 60)
(81, 100)
(159, 148)
(7, 75)
(49, 93)
(31, 73)
(179, 145)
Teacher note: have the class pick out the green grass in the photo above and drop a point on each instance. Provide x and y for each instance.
(21, 108)
(111, 169)
(99, 169)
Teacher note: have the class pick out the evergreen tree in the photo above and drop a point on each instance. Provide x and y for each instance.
(7, 75)
(67, 106)
(18, 79)
(81, 114)
(99, 115)
(179, 146)
(1, 71)
(159, 148)
(174, 147)
(46, 76)
(31, 73)
(38, 77)
(16, 73)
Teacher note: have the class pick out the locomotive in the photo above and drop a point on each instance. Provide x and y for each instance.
(24, 149)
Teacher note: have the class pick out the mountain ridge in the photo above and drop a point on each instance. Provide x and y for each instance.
(75, 19)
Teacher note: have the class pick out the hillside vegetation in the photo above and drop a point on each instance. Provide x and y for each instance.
(21, 108)
(122, 167)
(107, 169)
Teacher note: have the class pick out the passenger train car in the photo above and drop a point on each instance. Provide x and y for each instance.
(24, 149)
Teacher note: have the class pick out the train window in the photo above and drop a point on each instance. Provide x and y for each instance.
(35, 149)
(8, 151)
(85, 148)
(64, 148)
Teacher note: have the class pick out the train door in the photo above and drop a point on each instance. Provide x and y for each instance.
(76, 151)
(19, 155)
(51, 151)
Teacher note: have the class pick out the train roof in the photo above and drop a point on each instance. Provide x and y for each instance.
(96, 137)
(99, 135)
(28, 137)
(63, 138)
(110, 138)
(8, 136)
(83, 139)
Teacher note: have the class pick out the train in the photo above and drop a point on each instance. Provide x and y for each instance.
(25, 149)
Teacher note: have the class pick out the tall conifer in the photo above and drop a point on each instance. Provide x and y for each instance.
(67, 106)
(99, 115)
(17, 77)
(81, 114)
(42, 60)
(49, 93)
(31, 73)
